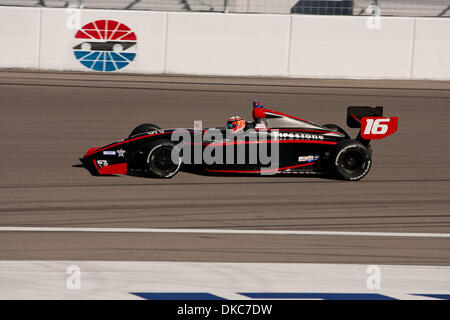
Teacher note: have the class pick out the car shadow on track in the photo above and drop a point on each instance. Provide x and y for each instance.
(144, 174)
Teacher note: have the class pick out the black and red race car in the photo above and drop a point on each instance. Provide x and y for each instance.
(274, 143)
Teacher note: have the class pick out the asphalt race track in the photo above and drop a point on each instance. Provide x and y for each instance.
(48, 120)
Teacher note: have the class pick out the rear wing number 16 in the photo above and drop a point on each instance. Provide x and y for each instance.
(373, 128)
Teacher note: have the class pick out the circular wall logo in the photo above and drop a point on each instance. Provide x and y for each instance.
(105, 45)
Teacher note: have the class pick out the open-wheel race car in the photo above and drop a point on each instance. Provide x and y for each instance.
(273, 143)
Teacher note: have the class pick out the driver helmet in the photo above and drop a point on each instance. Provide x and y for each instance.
(236, 124)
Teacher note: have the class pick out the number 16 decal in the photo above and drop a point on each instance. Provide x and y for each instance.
(373, 128)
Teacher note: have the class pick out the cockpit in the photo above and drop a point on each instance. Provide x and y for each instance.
(269, 119)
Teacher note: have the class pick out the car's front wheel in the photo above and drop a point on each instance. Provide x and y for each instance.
(351, 160)
(159, 160)
(145, 127)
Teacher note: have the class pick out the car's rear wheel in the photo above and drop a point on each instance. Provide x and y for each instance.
(118, 48)
(351, 160)
(145, 127)
(159, 160)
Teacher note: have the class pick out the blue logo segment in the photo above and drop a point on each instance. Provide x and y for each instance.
(104, 61)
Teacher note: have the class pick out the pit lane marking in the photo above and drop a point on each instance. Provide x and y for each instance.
(226, 231)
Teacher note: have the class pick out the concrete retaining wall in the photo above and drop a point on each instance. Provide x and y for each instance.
(236, 44)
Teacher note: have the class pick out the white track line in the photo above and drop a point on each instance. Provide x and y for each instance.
(224, 231)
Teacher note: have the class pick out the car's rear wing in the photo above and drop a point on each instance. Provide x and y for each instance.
(355, 114)
(371, 123)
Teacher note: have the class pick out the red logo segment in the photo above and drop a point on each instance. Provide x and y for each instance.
(106, 30)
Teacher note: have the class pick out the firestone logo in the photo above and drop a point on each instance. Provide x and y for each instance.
(105, 45)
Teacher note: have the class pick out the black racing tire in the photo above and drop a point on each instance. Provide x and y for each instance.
(159, 160)
(145, 127)
(351, 160)
(335, 127)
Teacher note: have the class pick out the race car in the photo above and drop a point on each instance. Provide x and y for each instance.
(273, 143)
(105, 46)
